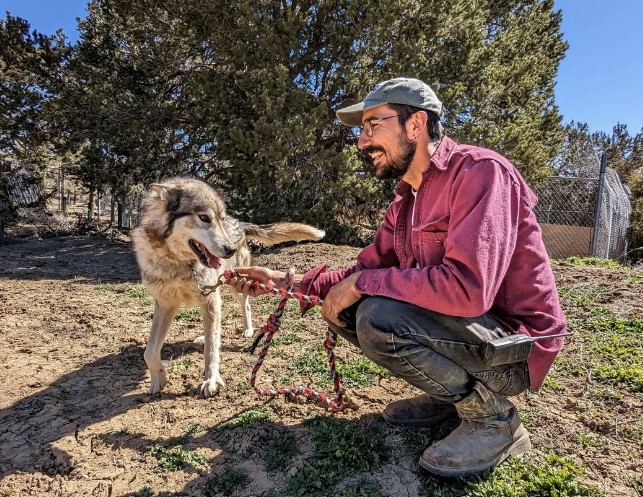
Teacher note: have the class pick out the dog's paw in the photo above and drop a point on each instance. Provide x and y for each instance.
(248, 332)
(210, 387)
(158, 382)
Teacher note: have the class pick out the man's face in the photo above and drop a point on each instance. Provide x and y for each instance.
(388, 151)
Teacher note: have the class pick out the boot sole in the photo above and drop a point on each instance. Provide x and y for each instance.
(420, 423)
(520, 446)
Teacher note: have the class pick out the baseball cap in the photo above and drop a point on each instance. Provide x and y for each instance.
(406, 91)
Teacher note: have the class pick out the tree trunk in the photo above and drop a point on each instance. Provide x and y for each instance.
(90, 206)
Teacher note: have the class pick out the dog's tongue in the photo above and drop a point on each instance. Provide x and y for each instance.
(213, 261)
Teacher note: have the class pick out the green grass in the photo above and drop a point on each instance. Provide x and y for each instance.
(259, 414)
(139, 292)
(615, 350)
(591, 262)
(522, 477)
(226, 483)
(185, 313)
(176, 458)
(362, 489)
(361, 371)
(341, 449)
(280, 451)
(286, 339)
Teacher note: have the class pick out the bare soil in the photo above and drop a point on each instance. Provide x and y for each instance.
(76, 418)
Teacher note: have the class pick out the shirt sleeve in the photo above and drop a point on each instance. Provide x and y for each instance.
(483, 224)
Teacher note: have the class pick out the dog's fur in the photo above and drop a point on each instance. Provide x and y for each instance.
(184, 226)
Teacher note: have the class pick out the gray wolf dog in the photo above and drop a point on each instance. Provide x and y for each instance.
(185, 240)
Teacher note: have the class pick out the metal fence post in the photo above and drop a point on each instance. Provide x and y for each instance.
(599, 203)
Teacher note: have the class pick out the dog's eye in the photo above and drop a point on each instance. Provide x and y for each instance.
(204, 218)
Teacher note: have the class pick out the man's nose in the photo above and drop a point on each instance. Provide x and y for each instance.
(363, 140)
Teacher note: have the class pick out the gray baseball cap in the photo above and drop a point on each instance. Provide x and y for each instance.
(407, 91)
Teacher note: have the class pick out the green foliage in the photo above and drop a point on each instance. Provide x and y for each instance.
(280, 451)
(362, 489)
(592, 262)
(184, 313)
(227, 482)
(175, 458)
(341, 449)
(156, 89)
(521, 478)
(254, 415)
(361, 371)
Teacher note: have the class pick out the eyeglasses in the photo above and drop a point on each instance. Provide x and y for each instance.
(367, 126)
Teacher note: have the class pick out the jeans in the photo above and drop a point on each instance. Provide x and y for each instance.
(436, 353)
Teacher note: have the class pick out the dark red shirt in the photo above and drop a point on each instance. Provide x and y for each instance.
(467, 244)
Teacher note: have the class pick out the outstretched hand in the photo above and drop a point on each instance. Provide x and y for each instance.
(268, 277)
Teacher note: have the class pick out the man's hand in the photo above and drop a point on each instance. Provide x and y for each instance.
(342, 295)
(257, 273)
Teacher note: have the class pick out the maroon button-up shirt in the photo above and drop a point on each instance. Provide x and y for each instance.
(467, 244)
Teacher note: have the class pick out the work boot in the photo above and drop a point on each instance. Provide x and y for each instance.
(485, 438)
(421, 410)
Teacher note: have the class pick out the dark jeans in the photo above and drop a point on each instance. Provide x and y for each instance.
(438, 354)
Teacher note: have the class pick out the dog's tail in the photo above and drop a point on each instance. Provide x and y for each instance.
(269, 234)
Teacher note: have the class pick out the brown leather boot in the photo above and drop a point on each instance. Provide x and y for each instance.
(484, 439)
(421, 410)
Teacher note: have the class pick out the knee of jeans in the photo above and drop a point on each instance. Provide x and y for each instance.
(374, 324)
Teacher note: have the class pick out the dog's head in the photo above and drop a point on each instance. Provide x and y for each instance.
(188, 217)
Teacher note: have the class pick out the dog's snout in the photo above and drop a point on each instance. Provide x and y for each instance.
(229, 251)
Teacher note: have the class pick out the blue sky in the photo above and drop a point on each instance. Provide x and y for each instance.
(600, 82)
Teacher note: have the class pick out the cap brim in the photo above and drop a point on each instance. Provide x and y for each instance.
(351, 116)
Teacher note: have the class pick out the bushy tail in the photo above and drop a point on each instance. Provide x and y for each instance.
(269, 234)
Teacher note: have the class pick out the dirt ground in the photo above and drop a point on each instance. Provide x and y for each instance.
(76, 419)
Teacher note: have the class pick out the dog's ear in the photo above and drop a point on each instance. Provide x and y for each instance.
(168, 194)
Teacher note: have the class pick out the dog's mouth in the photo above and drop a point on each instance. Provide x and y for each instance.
(204, 255)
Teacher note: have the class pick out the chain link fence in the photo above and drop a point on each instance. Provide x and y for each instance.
(584, 216)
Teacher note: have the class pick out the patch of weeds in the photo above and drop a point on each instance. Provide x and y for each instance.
(226, 483)
(589, 440)
(362, 489)
(341, 449)
(145, 492)
(175, 458)
(525, 478)
(91, 329)
(591, 262)
(280, 451)
(581, 296)
(242, 387)
(185, 313)
(313, 365)
(615, 351)
(635, 277)
(139, 292)
(253, 415)
(361, 372)
(185, 363)
(637, 484)
(552, 385)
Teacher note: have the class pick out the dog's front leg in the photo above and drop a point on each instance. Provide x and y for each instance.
(246, 313)
(211, 307)
(163, 315)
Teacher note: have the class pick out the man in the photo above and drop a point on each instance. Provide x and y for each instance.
(458, 261)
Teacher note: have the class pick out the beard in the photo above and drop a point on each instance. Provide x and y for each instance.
(396, 167)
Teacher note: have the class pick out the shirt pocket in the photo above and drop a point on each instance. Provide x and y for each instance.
(430, 239)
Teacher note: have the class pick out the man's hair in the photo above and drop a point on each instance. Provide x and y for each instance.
(433, 124)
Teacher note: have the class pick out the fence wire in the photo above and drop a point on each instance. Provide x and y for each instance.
(584, 216)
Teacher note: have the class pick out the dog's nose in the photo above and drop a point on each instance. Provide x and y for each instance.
(229, 251)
